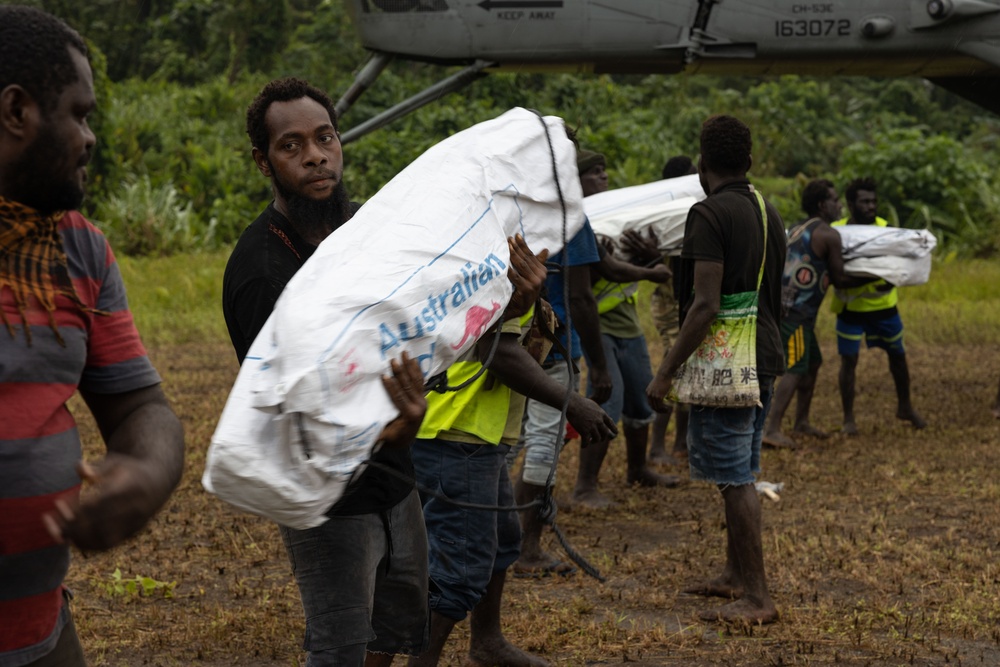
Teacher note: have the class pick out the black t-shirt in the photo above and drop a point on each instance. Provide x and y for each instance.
(265, 258)
(726, 227)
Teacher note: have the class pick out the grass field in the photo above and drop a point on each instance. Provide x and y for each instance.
(883, 549)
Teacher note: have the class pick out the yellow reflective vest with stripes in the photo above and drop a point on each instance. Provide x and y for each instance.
(876, 295)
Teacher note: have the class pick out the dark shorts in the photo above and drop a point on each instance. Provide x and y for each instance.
(363, 583)
(724, 443)
(883, 332)
(466, 545)
(801, 348)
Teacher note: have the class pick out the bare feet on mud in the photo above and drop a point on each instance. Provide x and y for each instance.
(996, 410)
(741, 611)
(501, 653)
(809, 429)
(647, 477)
(542, 566)
(779, 440)
(719, 588)
(591, 499)
(849, 428)
(912, 417)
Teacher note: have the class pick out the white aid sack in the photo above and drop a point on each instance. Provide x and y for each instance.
(661, 206)
(899, 256)
(422, 267)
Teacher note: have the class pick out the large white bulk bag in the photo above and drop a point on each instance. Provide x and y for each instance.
(422, 268)
(900, 256)
(661, 206)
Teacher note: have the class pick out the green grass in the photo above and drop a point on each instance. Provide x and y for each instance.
(177, 299)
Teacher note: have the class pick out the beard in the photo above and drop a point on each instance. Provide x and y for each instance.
(316, 214)
(40, 175)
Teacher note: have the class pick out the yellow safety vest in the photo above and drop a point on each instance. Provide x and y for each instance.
(869, 297)
(610, 295)
(480, 409)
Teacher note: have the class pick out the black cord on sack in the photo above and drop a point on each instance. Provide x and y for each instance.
(546, 504)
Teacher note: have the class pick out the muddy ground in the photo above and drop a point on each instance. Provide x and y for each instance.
(881, 551)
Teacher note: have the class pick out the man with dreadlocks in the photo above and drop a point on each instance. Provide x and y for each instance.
(67, 327)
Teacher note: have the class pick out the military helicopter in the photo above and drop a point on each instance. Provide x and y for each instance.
(953, 43)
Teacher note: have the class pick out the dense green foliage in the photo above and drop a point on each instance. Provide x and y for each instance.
(173, 170)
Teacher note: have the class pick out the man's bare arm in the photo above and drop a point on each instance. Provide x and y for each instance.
(143, 465)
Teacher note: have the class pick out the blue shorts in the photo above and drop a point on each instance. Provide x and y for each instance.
(630, 370)
(724, 443)
(466, 545)
(886, 333)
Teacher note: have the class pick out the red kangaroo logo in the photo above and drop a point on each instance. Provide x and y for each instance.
(476, 320)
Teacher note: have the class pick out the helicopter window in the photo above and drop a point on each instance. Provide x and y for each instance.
(400, 6)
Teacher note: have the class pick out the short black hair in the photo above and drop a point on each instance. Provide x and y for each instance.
(34, 53)
(678, 165)
(815, 193)
(281, 90)
(726, 145)
(866, 183)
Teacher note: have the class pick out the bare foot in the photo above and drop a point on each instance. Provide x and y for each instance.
(741, 611)
(541, 566)
(779, 440)
(681, 454)
(809, 429)
(720, 588)
(591, 499)
(647, 477)
(849, 428)
(501, 653)
(912, 417)
(996, 410)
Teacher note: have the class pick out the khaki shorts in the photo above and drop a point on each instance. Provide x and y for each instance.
(666, 314)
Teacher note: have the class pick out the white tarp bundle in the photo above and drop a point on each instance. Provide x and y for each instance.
(899, 256)
(422, 267)
(661, 206)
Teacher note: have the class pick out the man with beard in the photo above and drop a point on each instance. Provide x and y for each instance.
(68, 328)
(870, 312)
(362, 574)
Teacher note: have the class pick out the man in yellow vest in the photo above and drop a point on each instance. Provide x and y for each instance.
(460, 455)
(870, 311)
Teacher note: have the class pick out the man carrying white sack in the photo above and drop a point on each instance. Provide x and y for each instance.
(870, 312)
(357, 602)
(460, 454)
(362, 573)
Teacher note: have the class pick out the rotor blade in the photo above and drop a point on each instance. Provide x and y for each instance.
(453, 83)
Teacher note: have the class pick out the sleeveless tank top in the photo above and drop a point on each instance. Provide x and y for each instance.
(805, 278)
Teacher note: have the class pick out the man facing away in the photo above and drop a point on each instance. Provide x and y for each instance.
(724, 248)
(870, 311)
(615, 288)
(67, 327)
(814, 261)
(459, 457)
(362, 575)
